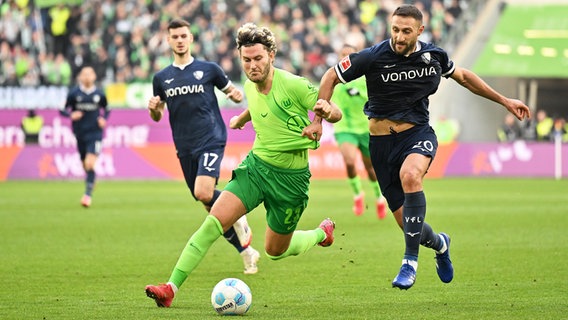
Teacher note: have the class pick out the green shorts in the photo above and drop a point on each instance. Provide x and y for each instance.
(360, 140)
(283, 191)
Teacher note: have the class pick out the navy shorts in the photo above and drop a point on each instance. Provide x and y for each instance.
(88, 145)
(388, 152)
(206, 163)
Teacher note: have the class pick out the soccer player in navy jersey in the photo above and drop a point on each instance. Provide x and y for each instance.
(402, 72)
(187, 88)
(87, 107)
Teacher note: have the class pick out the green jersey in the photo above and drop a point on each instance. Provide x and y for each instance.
(351, 98)
(279, 117)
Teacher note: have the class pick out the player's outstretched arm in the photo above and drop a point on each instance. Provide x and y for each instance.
(475, 84)
(328, 81)
(156, 108)
(314, 130)
(238, 122)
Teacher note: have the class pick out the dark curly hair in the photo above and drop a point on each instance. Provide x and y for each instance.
(250, 34)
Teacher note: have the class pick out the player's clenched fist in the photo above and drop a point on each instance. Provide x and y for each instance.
(155, 105)
(235, 95)
(322, 109)
(154, 102)
(234, 123)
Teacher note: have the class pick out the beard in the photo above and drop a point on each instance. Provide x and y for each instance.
(261, 76)
(406, 50)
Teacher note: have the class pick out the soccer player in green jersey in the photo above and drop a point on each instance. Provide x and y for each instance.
(275, 172)
(352, 135)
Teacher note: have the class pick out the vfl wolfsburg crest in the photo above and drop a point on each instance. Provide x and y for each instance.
(198, 74)
(426, 57)
(286, 104)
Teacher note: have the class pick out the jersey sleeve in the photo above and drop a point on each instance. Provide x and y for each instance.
(353, 66)
(103, 104)
(446, 63)
(306, 93)
(157, 88)
(221, 80)
(69, 103)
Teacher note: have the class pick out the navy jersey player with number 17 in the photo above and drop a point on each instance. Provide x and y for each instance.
(402, 72)
(187, 88)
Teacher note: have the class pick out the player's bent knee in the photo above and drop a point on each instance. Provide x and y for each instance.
(411, 180)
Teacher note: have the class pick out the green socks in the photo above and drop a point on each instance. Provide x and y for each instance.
(301, 242)
(376, 189)
(211, 230)
(196, 248)
(355, 184)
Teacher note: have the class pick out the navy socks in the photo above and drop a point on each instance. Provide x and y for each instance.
(413, 215)
(90, 182)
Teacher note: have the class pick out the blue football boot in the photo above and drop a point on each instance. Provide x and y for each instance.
(443, 263)
(405, 277)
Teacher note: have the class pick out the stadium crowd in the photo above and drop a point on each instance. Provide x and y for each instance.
(124, 40)
(541, 127)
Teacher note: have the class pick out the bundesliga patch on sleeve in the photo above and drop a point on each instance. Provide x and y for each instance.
(345, 64)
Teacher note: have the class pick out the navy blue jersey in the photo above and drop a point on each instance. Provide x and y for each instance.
(398, 86)
(194, 113)
(93, 104)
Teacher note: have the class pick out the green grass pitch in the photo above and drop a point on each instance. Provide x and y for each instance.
(61, 261)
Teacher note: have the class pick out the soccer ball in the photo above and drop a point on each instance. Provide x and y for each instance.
(231, 296)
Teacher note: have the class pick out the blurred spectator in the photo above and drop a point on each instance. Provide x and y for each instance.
(509, 130)
(56, 71)
(12, 22)
(59, 15)
(78, 54)
(543, 126)
(447, 130)
(31, 125)
(559, 130)
(528, 130)
(8, 74)
(453, 12)
(437, 21)
(368, 10)
(125, 40)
